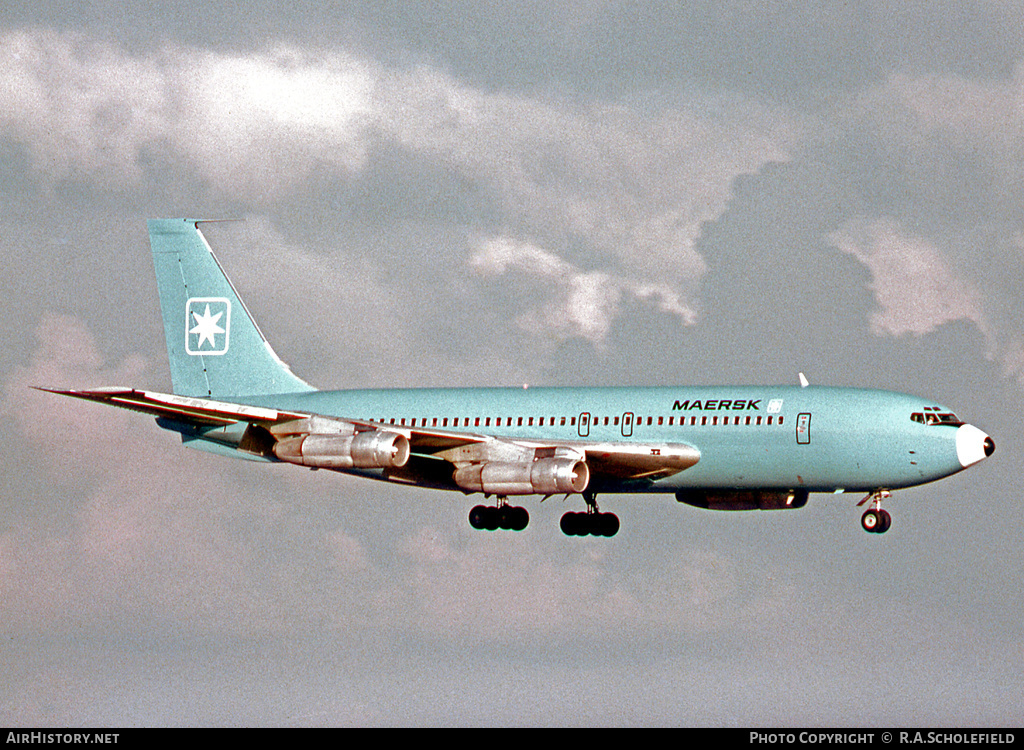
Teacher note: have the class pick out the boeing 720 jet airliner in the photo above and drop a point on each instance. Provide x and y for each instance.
(721, 447)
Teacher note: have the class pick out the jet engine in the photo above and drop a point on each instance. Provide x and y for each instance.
(547, 476)
(371, 449)
(743, 499)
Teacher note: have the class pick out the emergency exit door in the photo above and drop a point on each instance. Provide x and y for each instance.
(803, 429)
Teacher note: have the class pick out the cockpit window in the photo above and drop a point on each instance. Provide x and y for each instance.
(931, 415)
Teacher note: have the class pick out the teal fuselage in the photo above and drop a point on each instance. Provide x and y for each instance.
(821, 439)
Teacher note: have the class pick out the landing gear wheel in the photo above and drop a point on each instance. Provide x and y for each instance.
(477, 516)
(590, 524)
(876, 521)
(568, 524)
(514, 518)
(490, 518)
(608, 525)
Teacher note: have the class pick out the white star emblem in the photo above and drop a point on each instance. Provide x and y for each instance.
(207, 325)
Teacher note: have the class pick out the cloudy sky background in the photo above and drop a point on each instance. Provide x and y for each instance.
(497, 194)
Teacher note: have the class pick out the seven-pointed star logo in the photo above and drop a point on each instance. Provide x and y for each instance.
(206, 318)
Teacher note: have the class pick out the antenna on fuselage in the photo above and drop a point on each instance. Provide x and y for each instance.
(803, 381)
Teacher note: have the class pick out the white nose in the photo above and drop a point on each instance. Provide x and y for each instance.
(972, 445)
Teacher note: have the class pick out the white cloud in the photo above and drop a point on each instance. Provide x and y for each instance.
(580, 303)
(978, 111)
(631, 186)
(246, 124)
(914, 286)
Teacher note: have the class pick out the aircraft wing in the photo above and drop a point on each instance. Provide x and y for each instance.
(405, 454)
(197, 411)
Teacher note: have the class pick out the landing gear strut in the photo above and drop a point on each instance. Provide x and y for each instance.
(590, 523)
(875, 520)
(501, 516)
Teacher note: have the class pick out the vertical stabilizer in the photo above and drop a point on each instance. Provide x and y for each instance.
(214, 346)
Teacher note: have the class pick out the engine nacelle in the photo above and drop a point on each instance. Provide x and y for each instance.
(548, 476)
(371, 449)
(743, 499)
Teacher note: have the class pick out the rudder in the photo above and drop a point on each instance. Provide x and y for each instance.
(214, 346)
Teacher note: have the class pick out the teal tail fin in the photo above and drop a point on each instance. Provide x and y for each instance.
(214, 346)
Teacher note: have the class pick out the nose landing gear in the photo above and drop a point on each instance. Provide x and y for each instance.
(875, 520)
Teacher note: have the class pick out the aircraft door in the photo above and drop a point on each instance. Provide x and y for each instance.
(803, 429)
(584, 424)
(627, 424)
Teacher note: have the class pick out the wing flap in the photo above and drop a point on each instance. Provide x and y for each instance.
(640, 461)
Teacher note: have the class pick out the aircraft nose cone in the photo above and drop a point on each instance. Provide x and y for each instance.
(973, 445)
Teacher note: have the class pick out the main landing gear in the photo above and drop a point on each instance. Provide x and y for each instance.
(502, 516)
(875, 520)
(590, 523)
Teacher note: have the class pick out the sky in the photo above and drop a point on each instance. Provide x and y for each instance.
(451, 194)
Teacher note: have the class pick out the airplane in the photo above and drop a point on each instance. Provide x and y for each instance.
(716, 447)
